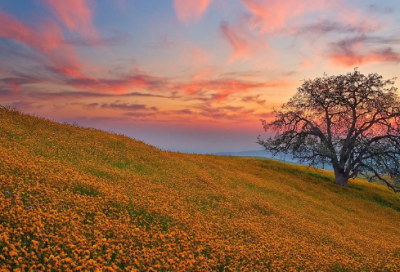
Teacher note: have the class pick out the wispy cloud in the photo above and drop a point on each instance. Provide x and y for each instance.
(363, 49)
(119, 85)
(244, 44)
(273, 15)
(224, 112)
(188, 10)
(76, 15)
(139, 114)
(86, 95)
(47, 39)
(216, 90)
(219, 89)
(351, 59)
(16, 82)
(116, 39)
(184, 111)
(330, 27)
(9, 51)
(196, 56)
(254, 98)
(127, 106)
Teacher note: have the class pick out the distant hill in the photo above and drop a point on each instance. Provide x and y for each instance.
(258, 154)
(248, 153)
(266, 154)
(79, 199)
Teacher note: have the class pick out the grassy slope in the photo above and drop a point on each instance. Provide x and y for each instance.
(87, 199)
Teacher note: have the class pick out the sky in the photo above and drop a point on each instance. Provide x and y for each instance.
(184, 75)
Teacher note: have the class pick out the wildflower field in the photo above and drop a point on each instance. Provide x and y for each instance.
(78, 199)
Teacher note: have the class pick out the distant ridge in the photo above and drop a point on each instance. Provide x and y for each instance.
(267, 154)
(258, 153)
(247, 153)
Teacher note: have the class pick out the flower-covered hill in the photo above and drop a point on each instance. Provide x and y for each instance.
(78, 199)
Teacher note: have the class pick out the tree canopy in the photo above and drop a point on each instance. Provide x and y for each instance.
(350, 121)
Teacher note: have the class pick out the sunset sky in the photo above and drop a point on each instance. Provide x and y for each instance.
(184, 75)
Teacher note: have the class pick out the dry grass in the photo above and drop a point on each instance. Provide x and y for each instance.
(74, 199)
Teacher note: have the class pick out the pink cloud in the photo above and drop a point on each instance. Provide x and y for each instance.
(365, 22)
(195, 56)
(244, 44)
(16, 82)
(362, 49)
(187, 10)
(272, 15)
(199, 56)
(47, 39)
(359, 58)
(72, 70)
(15, 86)
(75, 15)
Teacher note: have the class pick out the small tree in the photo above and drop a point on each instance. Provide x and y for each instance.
(350, 121)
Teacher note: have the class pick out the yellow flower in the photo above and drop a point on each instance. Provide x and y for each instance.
(13, 254)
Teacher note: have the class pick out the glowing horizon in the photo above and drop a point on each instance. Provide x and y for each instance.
(188, 75)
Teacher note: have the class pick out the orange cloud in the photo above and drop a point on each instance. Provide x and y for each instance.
(218, 90)
(199, 56)
(121, 85)
(254, 98)
(204, 73)
(308, 63)
(75, 15)
(187, 10)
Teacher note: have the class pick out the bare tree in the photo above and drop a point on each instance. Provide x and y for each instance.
(350, 121)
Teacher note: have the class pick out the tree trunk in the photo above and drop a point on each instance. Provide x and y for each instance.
(341, 178)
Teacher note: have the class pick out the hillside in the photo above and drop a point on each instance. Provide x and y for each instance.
(79, 199)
